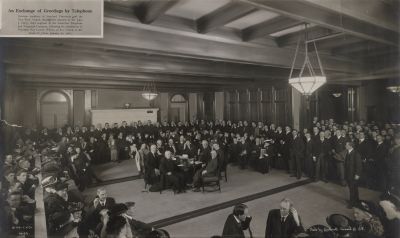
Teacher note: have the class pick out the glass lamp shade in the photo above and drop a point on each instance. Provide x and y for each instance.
(394, 89)
(307, 85)
(149, 95)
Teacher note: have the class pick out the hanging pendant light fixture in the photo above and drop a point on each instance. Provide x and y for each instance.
(307, 81)
(149, 91)
(394, 89)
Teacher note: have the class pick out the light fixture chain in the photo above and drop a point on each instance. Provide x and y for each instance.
(295, 56)
(319, 60)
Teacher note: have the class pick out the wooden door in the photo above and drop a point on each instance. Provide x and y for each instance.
(54, 115)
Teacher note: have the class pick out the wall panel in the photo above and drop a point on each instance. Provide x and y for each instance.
(244, 105)
(110, 99)
(79, 107)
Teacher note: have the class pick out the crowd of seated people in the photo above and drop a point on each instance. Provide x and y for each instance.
(67, 156)
(65, 169)
(18, 189)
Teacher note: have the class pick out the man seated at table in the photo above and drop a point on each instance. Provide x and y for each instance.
(210, 169)
(170, 172)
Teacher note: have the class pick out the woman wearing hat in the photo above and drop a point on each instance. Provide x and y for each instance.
(391, 217)
(366, 221)
(120, 223)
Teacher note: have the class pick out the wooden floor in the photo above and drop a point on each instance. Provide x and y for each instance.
(314, 201)
(112, 170)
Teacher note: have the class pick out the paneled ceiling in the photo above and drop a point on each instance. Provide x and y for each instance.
(250, 41)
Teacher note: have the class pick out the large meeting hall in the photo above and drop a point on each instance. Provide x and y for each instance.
(206, 118)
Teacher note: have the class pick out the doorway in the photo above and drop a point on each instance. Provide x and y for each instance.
(54, 110)
(178, 108)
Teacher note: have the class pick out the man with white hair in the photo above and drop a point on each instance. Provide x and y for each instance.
(283, 222)
(210, 169)
(102, 201)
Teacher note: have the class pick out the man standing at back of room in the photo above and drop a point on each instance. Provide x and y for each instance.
(296, 155)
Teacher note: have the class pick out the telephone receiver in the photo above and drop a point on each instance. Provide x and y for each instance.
(246, 223)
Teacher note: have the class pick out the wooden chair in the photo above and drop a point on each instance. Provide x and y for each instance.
(224, 168)
(212, 181)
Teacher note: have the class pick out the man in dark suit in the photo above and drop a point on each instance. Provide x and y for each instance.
(320, 151)
(286, 146)
(393, 166)
(380, 155)
(296, 155)
(284, 222)
(204, 153)
(339, 150)
(308, 159)
(152, 165)
(221, 154)
(353, 168)
(237, 222)
(170, 172)
(364, 148)
(102, 201)
(210, 169)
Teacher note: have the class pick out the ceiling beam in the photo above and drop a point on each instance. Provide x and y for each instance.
(341, 40)
(162, 43)
(181, 26)
(366, 77)
(74, 73)
(149, 11)
(313, 33)
(359, 47)
(222, 16)
(333, 18)
(268, 27)
(66, 82)
(72, 54)
(374, 12)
